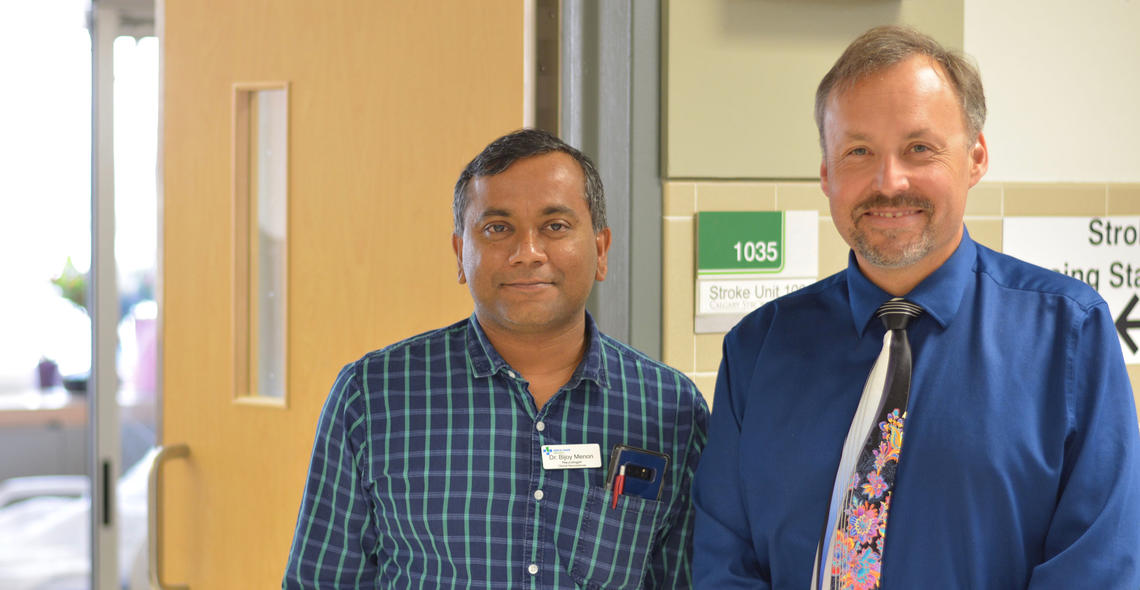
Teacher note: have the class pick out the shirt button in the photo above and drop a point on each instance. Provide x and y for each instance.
(538, 494)
(532, 568)
(512, 374)
(540, 426)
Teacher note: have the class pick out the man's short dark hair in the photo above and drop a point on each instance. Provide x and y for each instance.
(526, 143)
(883, 47)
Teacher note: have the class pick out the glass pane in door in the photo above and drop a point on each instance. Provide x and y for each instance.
(136, 234)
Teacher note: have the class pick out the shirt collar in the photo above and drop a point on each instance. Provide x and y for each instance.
(486, 361)
(939, 294)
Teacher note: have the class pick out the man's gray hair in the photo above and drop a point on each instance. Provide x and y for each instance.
(882, 47)
(526, 143)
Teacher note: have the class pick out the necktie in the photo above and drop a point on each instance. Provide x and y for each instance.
(851, 546)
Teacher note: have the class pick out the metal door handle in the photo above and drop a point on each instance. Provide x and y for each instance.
(154, 515)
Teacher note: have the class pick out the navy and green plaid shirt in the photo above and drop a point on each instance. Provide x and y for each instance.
(427, 472)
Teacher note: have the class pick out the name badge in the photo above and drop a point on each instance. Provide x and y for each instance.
(571, 456)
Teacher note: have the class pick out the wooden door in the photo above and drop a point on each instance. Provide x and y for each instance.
(387, 101)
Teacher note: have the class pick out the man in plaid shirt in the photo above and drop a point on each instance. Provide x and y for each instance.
(476, 455)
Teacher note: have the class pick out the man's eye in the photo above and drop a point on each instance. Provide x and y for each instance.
(557, 226)
(496, 228)
(921, 148)
(859, 151)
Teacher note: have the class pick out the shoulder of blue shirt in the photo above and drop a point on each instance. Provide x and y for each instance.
(1014, 273)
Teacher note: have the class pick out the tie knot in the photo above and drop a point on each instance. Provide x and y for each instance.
(897, 312)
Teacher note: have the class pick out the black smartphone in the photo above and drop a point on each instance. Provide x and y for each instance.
(644, 471)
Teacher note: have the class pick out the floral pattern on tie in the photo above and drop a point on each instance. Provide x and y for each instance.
(858, 545)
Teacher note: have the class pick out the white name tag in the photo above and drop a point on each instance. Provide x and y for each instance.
(571, 456)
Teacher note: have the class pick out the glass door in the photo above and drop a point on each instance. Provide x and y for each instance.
(135, 109)
(50, 395)
(45, 327)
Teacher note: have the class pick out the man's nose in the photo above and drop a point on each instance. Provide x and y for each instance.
(529, 249)
(892, 177)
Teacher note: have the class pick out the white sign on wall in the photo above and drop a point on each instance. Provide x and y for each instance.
(1101, 251)
(748, 258)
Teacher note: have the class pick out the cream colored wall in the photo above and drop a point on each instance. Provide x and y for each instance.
(1061, 86)
(740, 78)
(698, 355)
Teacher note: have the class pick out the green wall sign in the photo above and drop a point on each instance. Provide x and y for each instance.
(740, 242)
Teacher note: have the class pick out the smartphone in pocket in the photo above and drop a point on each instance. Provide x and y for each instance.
(644, 471)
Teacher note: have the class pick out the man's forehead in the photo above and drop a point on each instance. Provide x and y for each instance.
(507, 211)
(858, 133)
(923, 65)
(485, 202)
(914, 86)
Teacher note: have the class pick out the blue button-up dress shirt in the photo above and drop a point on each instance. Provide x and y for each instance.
(427, 472)
(1020, 465)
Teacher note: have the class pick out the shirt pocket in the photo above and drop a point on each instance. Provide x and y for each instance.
(613, 544)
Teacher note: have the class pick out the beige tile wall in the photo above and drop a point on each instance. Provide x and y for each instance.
(698, 355)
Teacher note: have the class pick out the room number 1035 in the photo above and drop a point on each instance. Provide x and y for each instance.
(757, 251)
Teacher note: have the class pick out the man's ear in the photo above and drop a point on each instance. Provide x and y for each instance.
(457, 245)
(823, 175)
(979, 160)
(602, 242)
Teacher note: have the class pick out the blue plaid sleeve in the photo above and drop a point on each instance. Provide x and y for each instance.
(334, 544)
(670, 566)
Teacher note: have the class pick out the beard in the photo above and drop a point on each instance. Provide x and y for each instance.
(893, 249)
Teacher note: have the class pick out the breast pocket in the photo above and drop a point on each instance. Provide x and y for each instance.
(613, 545)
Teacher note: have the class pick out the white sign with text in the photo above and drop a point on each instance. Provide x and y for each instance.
(724, 295)
(1101, 251)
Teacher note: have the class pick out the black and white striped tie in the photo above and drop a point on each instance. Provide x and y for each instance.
(851, 546)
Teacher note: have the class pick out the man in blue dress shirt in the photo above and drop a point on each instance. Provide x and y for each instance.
(476, 455)
(1021, 462)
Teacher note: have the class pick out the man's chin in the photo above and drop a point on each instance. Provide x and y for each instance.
(534, 319)
(892, 255)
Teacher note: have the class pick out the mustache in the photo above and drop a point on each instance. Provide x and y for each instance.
(904, 201)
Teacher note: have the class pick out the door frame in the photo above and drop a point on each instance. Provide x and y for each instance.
(106, 21)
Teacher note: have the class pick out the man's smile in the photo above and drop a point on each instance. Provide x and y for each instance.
(893, 214)
(528, 284)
